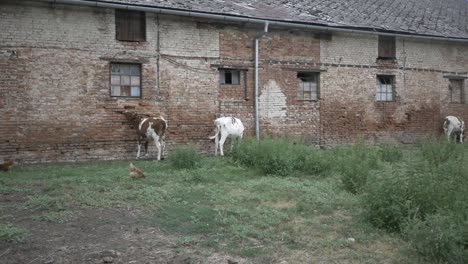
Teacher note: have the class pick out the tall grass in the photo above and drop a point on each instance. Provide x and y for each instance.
(185, 157)
(408, 198)
(280, 157)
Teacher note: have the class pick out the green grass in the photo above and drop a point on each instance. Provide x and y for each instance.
(56, 217)
(12, 233)
(240, 205)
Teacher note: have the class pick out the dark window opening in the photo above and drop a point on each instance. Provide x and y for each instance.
(385, 88)
(125, 80)
(387, 49)
(308, 86)
(229, 76)
(130, 25)
(457, 91)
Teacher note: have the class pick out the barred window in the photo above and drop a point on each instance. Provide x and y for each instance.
(385, 88)
(308, 86)
(125, 80)
(229, 76)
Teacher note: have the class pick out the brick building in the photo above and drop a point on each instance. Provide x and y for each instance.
(329, 72)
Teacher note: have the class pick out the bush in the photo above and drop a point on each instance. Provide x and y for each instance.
(439, 152)
(354, 165)
(439, 237)
(426, 199)
(390, 153)
(185, 158)
(11, 233)
(386, 201)
(280, 157)
(318, 162)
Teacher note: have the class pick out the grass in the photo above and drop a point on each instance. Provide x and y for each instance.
(241, 206)
(12, 233)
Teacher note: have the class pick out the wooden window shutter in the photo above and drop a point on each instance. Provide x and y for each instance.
(130, 25)
(387, 47)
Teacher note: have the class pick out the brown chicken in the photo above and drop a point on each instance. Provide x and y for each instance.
(135, 172)
(5, 166)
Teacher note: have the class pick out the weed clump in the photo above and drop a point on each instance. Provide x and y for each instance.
(185, 158)
(354, 165)
(12, 233)
(425, 199)
(390, 153)
(438, 237)
(280, 157)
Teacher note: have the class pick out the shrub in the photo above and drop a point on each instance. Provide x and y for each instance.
(418, 188)
(439, 152)
(185, 158)
(280, 157)
(354, 165)
(11, 233)
(318, 162)
(386, 201)
(439, 237)
(390, 153)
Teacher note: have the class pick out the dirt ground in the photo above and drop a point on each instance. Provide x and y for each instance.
(96, 236)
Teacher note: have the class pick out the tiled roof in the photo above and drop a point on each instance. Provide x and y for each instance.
(446, 18)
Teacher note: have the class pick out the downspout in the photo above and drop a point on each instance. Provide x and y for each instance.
(158, 58)
(257, 122)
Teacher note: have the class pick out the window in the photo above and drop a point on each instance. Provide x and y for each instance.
(307, 86)
(228, 76)
(386, 48)
(457, 91)
(130, 25)
(385, 88)
(125, 80)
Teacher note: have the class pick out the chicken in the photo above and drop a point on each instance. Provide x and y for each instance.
(5, 166)
(135, 172)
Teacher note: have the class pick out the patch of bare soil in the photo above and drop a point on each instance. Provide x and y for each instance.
(95, 236)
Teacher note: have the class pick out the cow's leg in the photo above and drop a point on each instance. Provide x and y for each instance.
(461, 136)
(163, 146)
(221, 143)
(139, 147)
(216, 145)
(146, 148)
(158, 147)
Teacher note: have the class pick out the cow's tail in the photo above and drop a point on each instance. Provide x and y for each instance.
(446, 123)
(218, 128)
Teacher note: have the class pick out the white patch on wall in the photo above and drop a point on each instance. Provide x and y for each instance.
(272, 101)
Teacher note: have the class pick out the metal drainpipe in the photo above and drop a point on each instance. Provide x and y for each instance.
(257, 122)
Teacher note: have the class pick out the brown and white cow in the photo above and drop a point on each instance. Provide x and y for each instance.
(454, 126)
(227, 127)
(149, 129)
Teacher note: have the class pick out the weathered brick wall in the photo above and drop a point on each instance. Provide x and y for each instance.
(281, 55)
(54, 84)
(349, 110)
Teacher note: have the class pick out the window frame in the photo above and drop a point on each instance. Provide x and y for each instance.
(140, 79)
(222, 76)
(462, 95)
(300, 93)
(386, 48)
(386, 93)
(129, 20)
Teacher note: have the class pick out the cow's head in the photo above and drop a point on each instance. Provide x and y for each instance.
(132, 117)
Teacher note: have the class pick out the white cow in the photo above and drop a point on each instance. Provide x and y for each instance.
(227, 127)
(454, 126)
